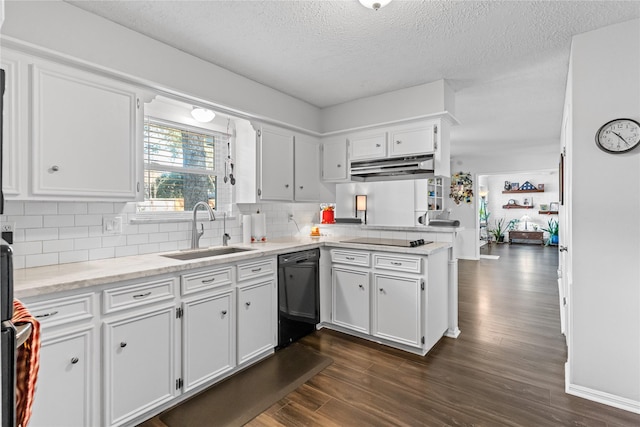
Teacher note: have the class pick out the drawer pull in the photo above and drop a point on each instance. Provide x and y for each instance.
(40, 316)
(396, 263)
(74, 360)
(350, 258)
(248, 303)
(209, 280)
(398, 142)
(361, 286)
(256, 270)
(224, 312)
(382, 290)
(146, 294)
(378, 145)
(123, 344)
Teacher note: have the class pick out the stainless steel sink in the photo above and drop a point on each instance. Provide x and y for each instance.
(205, 253)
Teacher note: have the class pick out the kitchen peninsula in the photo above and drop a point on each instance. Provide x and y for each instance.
(211, 317)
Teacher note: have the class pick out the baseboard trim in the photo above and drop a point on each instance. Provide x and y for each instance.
(604, 398)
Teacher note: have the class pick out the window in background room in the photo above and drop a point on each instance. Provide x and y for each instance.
(179, 166)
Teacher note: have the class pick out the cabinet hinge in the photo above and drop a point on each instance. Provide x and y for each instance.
(179, 312)
(259, 192)
(422, 285)
(179, 383)
(564, 300)
(564, 150)
(259, 133)
(422, 340)
(138, 103)
(435, 137)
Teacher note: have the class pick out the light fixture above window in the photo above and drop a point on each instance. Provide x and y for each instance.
(374, 4)
(202, 114)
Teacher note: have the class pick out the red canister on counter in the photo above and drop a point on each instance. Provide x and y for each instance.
(328, 215)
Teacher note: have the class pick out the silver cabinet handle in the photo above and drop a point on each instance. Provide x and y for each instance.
(395, 263)
(146, 294)
(361, 286)
(55, 168)
(382, 290)
(377, 145)
(339, 165)
(209, 280)
(74, 360)
(256, 270)
(350, 258)
(561, 249)
(123, 344)
(286, 186)
(224, 312)
(248, 303)
(40, 316)
(301, 187)
(398, 142)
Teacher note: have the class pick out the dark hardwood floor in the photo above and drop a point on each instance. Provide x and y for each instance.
(505, 369)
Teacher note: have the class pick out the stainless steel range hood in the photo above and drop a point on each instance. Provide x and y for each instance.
(394, 168)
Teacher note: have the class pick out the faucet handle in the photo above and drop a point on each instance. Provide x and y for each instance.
(201, 232)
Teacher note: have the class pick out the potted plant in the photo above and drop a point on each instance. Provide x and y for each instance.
(552, 229)
(498, 230)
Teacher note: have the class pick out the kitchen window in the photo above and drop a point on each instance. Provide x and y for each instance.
(180, 166)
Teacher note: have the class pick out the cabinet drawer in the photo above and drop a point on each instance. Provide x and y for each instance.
(137, 295)
(398, 263)
(350, 257)
(202, 280)
(255, 269)
(62, 310)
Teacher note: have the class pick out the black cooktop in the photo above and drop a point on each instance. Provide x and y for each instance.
(388, 242)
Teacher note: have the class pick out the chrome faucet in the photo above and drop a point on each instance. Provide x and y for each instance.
(225, 235)
(195, 234)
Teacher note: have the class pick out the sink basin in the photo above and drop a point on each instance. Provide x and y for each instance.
(205, 253)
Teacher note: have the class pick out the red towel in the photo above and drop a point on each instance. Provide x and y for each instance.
(27, 364)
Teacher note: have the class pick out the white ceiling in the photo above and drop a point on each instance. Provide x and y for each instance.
(506, 60)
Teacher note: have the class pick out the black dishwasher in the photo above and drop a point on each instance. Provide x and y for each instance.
(298, 295)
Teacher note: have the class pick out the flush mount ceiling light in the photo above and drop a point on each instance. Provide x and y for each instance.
(374, 4)
(202, 114)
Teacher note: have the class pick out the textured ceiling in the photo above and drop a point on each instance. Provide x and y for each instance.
(507, 61)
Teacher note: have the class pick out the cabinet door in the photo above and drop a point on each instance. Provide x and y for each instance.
(368, 146)
(84, 135)
(64, 390)
(397, 309)
(12, 106)
(208, 335)
(334, 159)
(306, 167)
(276, 164)
(412, 140)
(351, 299)
(256, 319)
(139, 359)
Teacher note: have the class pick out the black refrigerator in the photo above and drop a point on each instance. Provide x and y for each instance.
(8, 340)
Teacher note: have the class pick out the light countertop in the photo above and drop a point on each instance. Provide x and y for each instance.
(38, 281)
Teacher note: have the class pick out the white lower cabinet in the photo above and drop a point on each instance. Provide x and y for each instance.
(65, 381)
(139, 363)
(350, 298)
(397, 307)
(208, 338)
(256, 325)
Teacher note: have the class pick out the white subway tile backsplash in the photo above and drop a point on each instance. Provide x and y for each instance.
(73, 232)
(87, 220)
(74, 256)
(35, 234)
(40, 208)
(40, 260)
(63, 232)
(87, 243)
(58, 221)
(72, 208)
(101, 253)
(57, 246)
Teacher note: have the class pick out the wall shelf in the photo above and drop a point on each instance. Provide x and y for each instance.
(548, 212)
(516, 207)
(522, 191)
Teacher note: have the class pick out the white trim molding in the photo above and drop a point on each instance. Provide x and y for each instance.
(600, 396)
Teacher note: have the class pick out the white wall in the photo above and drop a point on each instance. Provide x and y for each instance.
(604, 336)
(66, 29)
(428, 98)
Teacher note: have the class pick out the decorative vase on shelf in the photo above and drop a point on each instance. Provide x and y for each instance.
(507, 185)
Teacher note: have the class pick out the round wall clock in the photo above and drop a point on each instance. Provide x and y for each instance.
(618, 136)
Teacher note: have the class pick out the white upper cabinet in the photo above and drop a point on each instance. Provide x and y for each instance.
(368, 145)
(306, 167)
(84, 133)
(334, 159)
(276, 164)
(412, 140)
(13, 107)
